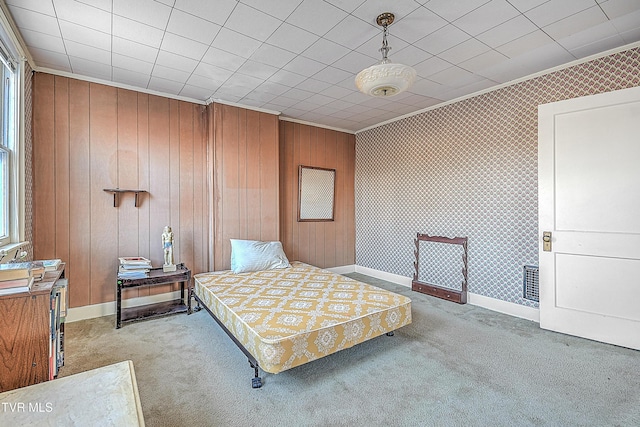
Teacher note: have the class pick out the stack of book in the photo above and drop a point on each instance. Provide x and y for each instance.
(18, 277)
(133, 267)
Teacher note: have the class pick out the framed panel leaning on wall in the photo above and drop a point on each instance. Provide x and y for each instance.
(316, 193)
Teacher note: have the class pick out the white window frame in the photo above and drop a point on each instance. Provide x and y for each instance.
(13, 127)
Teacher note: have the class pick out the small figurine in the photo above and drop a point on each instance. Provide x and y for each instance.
(167, 245)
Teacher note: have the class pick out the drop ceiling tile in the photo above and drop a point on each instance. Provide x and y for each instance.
(304, 66)
(240, 82)
(39, 6)
(297, 94)
(545, 57)
(356, 97)
(483, 61)
(463, 51)
(273, 88)
(216, 74)
(280, 9)
(313, 85)
(164, 85)
(90, 53)
(619, 8)
(106, 5)
(256, 69)
(34, 39)
(86, 67)
(525, 5)
(283, 101)
(442, 39)
(431, 66)
(340, 104)
(627, 26)
(217, 13)
(131, 64)
(453, 76)
(410, 55)
(292, 38)
(183, 46)
(320, 99)
(236, 43)
(259, 95)
(272, 55)
(223, 59)
(525, 43)
(453, 9)
(597, 46)
(85, 35)
(605, 30)
(208, 83)
(346, 5)
(131, 78)
(148, 12)
(135, 50)
(576, 23)
(418, 24)
(195, 92)
(507, 31)
(252, 22)
(332, 75)
(34, 21)
(486, 17)
(325, 51)
(337, 92)
(555, 10)
(176, 61)
(351, 32)
(50, 59)
(137, 32)
(192, 27)
(83, 14)
(355, 62)
(287, 78)
(316, 16)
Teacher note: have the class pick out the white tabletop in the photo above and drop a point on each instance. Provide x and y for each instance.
(106, 396)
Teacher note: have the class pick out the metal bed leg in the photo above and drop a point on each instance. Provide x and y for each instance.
(256, 382)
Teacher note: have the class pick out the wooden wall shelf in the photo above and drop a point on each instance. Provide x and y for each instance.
(117, 191)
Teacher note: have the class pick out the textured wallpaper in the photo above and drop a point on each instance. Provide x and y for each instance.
(469, 169)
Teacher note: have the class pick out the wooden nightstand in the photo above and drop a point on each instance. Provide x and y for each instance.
(156, 276)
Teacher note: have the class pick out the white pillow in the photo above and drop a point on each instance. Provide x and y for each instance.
(254, 255)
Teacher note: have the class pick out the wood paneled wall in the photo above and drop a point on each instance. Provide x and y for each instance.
(213, 173)
(88, 137)
(245, 175)
(324, 244)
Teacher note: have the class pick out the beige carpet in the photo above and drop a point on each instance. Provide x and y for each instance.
(453, 366)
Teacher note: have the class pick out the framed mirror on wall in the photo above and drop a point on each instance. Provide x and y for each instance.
(316, 193)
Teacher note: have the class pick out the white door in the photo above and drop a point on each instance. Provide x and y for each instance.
(589, 199)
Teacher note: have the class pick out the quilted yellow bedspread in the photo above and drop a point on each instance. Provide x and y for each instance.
(288, 317)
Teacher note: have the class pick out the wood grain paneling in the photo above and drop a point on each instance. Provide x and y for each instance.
(245, 178)
(324, 244)
(88, 137)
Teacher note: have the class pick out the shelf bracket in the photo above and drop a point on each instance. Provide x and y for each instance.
(117, 191)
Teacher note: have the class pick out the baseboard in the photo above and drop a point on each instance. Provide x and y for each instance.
(383, 275)
(505, 307)
(109, 308)
(343, 269)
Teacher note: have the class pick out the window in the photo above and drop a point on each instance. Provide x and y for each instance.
(9, 148)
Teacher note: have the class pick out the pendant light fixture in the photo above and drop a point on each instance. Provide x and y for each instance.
(385, 78)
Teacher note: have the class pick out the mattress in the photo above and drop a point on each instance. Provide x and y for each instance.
(291, 316)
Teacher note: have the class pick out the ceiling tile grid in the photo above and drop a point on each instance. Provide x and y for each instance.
(300, 57)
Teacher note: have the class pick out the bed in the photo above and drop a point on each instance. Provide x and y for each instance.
(283, 318)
